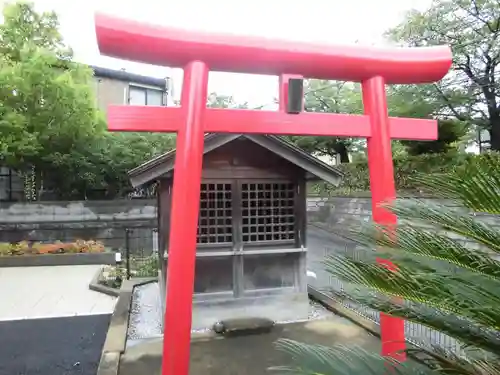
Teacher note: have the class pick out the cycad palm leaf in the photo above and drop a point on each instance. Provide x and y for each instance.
(447, 275)
(339, 360)
(476, 187)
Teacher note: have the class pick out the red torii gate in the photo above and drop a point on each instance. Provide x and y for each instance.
(198, 53)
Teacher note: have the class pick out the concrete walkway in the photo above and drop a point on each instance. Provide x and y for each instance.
(48, 292)
(250, 355)
(45, 292)
(321, 243)
(254, 354)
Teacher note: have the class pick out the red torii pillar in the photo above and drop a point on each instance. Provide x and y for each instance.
(197, 53)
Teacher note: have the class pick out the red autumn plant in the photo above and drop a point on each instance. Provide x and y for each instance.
(25, 248)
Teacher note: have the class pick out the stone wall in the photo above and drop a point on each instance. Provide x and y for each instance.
(337, 214)
(106, 221)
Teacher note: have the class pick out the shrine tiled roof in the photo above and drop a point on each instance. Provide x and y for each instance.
(163, 164)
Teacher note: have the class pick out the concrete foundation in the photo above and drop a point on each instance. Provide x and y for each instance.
(283, 307)
(146, 313)
(263, 284)
(148, 308)
(277, 304)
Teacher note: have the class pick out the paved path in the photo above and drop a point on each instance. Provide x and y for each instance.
(319, 244)
(54, 346)
(50, 322)
(250, 354)
(45, 292)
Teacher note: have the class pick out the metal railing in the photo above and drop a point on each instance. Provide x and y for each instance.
(140, 261)
(415, 333)
(138, 246)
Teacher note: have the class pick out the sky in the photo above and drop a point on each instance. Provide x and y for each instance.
(323, 21)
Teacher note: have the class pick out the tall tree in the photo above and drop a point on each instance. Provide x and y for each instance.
(414, 101)
(470, 92)
(331, 97)
(47, 108)
(403, 101)
(215, 100)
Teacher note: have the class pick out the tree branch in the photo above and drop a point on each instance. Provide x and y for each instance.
(477, 15)
(449, 104)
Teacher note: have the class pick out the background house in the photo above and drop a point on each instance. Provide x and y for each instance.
(121, 87)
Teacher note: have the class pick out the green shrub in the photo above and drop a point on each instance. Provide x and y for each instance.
(145, 267)
(113, 276)
(356, 177)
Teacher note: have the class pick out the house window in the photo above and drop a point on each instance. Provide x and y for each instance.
(139, 95)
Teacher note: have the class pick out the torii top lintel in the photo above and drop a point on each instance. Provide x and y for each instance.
(172, 47)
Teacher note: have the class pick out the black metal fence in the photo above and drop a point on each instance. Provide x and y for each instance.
(332, 244)
(137, 245)
(140, 257)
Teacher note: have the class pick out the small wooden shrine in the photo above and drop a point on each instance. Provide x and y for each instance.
(251, 254)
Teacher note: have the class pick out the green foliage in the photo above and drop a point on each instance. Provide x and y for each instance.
(24, 27)
(331, 97)
(139, 267)
(403, 101)
(449, 133)
(113, 276)
(356, 175)
(470, 92)
(223, 101)
(412, 101)
(341, 360)
(43, 111)
(446, 275)
(47, 107)
(103, 165)
(48, 116)
(146, 267)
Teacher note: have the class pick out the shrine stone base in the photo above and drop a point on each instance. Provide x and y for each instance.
(279, 308)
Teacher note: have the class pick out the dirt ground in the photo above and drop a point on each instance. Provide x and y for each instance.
(248, 355)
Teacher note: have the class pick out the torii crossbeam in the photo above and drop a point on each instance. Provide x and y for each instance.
(198, 53)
